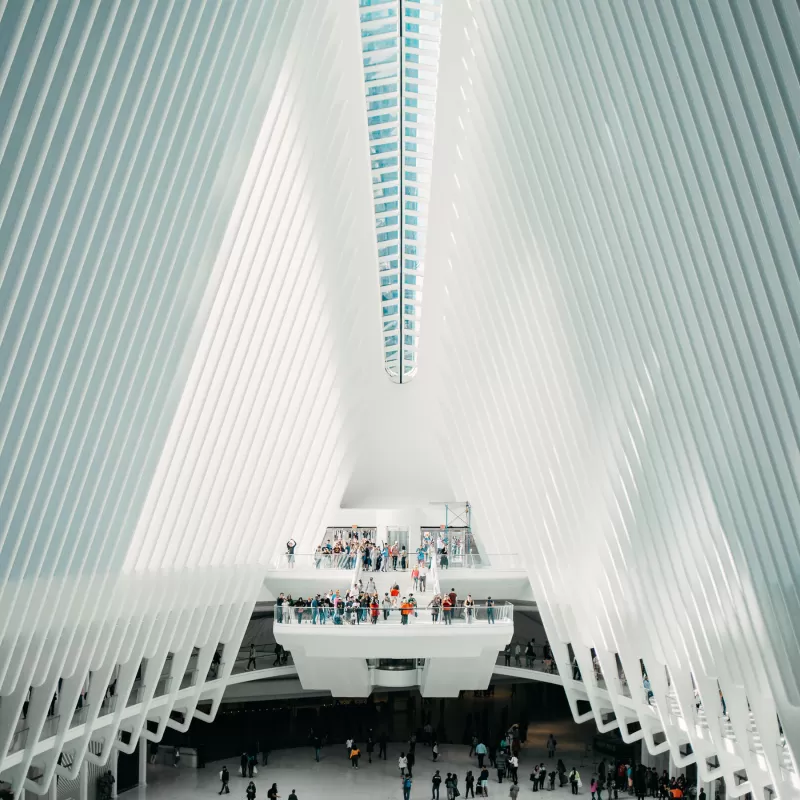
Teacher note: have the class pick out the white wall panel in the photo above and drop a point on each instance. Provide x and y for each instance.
(613, 263)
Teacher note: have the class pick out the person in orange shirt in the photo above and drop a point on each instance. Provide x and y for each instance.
(405, 609)
(395, 595)
(373, 609)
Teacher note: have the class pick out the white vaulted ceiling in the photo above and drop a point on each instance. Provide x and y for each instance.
(192, 358)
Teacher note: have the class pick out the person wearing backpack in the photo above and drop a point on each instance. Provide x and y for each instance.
(574, 780)
(225, 777)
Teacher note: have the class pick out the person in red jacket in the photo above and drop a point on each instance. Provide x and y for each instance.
(447, 611)
(373, 610)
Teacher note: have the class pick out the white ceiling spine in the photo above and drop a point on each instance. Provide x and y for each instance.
(613, 274)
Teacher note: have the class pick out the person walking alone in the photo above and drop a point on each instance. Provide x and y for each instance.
(252, 659)
(225, 777)
(551, 746)
(574, 780)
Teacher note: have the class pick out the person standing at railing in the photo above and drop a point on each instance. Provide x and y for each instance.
(374, 610)
(290, 546)
(405, 610)
(435, 605)
(490, 610)
(469, 606)
(314, 610)
(447, 610)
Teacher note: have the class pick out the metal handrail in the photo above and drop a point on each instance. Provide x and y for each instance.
(479, 615)
(319, 560)
(496, 561)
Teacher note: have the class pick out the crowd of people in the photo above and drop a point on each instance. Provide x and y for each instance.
(363, 605)
(527, 650)
(346, 552)
(497, 762)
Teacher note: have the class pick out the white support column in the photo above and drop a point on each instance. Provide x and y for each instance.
(83, 781)
(52, 792)
(112, 765)
(143, 747)
(673, 767)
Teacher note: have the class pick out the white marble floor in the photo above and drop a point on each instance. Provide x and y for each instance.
(334, 779)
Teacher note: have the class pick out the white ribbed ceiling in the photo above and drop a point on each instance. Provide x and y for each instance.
(190, 313)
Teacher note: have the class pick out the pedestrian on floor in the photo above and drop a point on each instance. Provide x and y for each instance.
(542, 776)
(435, 751)
(402, 764)
(513, 791)
(469, 784)
(224, 776)
(176, 757)
(535, 777)
(407, 781)
(448, 785)
(251, 791)
(501, 765)
(317, 743)
(483, 783)
(272, 792)
(513, 766)
(551, 747)
(410, 760)
(243, 765)
(251, 661)
(480, 752)
(435, 783)
(574, 780)
(507, 655)
(370, 747)
(382, 746)
(355, 753)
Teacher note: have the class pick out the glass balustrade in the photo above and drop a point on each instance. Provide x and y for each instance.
(494, 561)
(344, 561)
(479, 615)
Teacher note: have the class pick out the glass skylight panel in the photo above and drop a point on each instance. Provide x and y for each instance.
(400, 36)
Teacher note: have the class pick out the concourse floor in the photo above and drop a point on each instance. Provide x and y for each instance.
(334, 779)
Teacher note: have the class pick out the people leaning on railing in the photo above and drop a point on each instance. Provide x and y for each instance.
(360, 605)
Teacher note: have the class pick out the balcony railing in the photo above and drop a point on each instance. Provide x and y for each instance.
(344, 561)
(109, 705)
(18, 740)
(477, 615)
(189, 679)
(495, 561)
(163, 686)
(136, 694)
(80, 716)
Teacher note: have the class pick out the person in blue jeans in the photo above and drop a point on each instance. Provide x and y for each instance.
(406, 788)
(490, 610)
